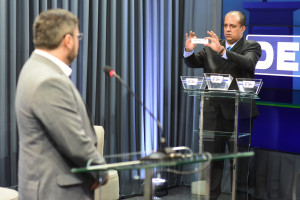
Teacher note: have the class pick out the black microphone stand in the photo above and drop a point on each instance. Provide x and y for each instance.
(163, 153)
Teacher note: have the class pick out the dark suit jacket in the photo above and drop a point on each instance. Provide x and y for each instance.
(55, 134)
(241, 62)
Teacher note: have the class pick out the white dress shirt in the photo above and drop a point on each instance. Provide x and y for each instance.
(63, 66)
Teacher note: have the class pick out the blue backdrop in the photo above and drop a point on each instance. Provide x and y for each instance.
(277, 126)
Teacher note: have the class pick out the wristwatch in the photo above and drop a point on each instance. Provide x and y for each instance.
(223, 49)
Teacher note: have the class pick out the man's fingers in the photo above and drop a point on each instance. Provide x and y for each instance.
(191, 35)
(212, 34)
(211, 39)
(94, 185)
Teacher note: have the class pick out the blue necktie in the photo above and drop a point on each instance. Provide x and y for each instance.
(229, 48)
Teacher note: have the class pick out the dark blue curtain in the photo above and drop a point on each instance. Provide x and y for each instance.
(142, 40)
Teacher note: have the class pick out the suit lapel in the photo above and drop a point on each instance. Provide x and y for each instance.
(238, 44)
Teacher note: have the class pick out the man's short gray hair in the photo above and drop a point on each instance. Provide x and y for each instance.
(51, 26)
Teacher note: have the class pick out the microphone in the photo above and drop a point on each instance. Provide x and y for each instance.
(110, 72)
(163, 153)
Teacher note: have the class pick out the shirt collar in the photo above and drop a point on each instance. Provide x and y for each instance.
(227, 45)
(63, 66)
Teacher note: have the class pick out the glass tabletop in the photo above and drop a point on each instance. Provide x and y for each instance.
(146, 162)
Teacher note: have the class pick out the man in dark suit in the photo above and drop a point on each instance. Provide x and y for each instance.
(235, 56)
(55, 131)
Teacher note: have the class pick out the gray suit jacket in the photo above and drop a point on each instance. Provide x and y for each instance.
(55, 134)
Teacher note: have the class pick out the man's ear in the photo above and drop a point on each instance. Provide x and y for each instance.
(68, 41)
(243, 28)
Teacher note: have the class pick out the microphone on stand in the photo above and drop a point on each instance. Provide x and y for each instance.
(164, 152)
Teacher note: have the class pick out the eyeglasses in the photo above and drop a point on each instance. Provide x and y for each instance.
(79, 35)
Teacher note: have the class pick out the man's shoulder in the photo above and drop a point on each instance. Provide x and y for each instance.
(36, 72)
(244, 43)
(251, 42)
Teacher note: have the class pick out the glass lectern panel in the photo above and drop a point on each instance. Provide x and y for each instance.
(223, 124)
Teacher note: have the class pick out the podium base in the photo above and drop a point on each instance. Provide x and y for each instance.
(199, 188)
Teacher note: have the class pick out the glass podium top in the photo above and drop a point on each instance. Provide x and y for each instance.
(221, 93)
(180, 159)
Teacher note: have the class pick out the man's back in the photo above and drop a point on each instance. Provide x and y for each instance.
(52, 123)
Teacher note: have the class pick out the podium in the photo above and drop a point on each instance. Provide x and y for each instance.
(133, 162)
(236, 107)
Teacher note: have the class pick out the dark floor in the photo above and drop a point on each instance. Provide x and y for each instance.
(181, 193)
